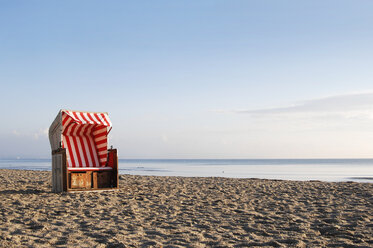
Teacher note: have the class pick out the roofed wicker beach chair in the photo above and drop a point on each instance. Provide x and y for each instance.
(81, 160)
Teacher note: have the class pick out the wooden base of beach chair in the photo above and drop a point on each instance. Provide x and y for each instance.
(65, 179)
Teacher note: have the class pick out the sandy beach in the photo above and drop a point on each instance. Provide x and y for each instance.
(151, 211)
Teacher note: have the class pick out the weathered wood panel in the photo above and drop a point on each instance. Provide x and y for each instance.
(57, 173)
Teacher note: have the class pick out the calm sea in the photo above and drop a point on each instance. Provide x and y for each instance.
(359, 170)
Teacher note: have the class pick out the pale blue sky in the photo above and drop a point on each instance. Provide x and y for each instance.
(192, 79)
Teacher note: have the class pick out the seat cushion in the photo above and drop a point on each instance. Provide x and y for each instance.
(88, 168)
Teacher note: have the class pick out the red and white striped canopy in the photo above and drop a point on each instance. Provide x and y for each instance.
(84, 135)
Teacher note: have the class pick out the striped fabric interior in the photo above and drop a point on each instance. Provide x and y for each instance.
(84, 135)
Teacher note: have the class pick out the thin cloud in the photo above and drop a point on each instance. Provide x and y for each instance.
(41, 133)
(349, 104)
(16, 133)
(164, 138)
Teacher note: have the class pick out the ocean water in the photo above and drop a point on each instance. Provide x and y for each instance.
(334, 170)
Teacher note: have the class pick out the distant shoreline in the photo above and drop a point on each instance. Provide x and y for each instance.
(327, 170)
(362, 178)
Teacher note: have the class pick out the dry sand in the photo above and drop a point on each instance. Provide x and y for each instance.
(151, 211)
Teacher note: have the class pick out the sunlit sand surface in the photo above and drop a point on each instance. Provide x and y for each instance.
(151, 211)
